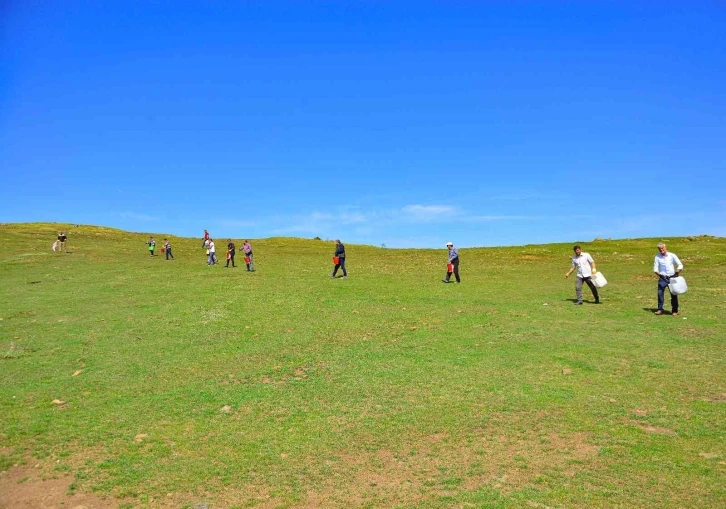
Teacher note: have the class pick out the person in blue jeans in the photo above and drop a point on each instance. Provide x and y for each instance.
(212, 253)
(167, 249)
(340, 253)
(666, 265)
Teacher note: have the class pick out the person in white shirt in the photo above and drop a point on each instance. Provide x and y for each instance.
(585, 266)
(212, 253)
(666, 265)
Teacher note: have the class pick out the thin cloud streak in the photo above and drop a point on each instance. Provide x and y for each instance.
(138, 217)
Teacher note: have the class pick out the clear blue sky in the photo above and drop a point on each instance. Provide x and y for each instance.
(404, 123)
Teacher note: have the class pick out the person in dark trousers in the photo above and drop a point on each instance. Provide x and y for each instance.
(340, 254)
(230, 253)
(585, 266)
(453, 262)
(167, 249)
(666, 265)
(249, 257)
(152, 245)
(205, 240)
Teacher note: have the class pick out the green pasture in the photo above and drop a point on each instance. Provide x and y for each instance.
(176, 383)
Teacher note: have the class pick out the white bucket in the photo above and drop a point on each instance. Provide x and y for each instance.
(677, 285)
(599, 280)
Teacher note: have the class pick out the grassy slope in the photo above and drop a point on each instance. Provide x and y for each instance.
(385, 389)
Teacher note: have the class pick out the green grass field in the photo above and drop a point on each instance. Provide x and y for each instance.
(177, 382)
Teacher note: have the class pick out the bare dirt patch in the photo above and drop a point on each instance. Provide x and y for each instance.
(22, 488)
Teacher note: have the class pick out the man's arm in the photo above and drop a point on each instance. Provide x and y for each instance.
(592, 264)
(570, 271)
(679, 266)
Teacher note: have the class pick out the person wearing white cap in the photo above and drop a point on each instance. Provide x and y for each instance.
(453, 265)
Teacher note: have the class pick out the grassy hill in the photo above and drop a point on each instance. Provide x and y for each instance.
(177, 382)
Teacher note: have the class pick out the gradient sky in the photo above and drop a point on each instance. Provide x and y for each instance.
(404, 123)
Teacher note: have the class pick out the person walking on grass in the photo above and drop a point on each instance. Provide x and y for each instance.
(249, 257)
(340, 255)
(585, 266)
(205, 239)
(452, 264)
(666, 265)
(212, 253)
(230, 253)
(167, 249)
(152, 245)
(62, 242)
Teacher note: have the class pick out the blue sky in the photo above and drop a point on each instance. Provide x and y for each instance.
(409, 124)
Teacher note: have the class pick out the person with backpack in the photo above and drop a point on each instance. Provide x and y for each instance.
(666, 265)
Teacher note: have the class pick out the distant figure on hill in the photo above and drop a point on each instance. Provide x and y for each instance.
(666, 265)
(212, 253)
(340, 256)
(452, 265)
(62, 241)
(167, 249)
(230, 253)
(205, 239)
(249, 257)
(152, 245)
(585, 266)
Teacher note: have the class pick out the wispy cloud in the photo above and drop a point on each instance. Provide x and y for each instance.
(527, 196)
(235, 224)
(426, 213)
(503, 217)
(138, 217)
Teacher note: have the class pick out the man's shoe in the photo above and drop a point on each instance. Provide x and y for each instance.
(659, 312)
(675, 313)
(444, 280)
(597, 301)
(578, 303)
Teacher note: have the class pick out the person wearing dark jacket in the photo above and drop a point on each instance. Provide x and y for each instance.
(230, 253)
(453, 263)
(340, 255)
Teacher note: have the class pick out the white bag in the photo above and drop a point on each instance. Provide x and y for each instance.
(677, 285)
(599, 280)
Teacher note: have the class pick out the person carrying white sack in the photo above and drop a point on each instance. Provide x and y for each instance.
(666, 265)
(585, 266)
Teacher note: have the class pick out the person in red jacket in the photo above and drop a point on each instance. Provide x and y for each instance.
(205, 239)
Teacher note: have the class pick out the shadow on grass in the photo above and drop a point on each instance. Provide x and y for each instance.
(585, 301)
(653, 310)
